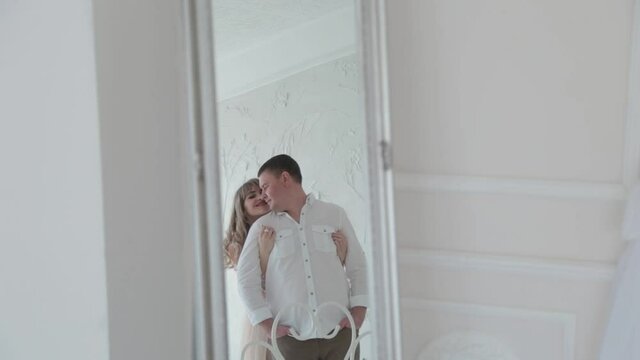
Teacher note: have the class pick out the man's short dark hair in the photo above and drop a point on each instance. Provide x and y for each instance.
(280, 163)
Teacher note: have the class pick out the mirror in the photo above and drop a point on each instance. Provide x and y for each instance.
(289, 81)
(298, 78)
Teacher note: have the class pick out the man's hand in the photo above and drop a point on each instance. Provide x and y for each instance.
(358, 313)
(280, 332)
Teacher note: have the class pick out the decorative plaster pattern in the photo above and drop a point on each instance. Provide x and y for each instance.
(315, 116)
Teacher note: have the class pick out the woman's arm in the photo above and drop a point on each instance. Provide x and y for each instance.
(233, 252)
(265, 246)
(342, 245)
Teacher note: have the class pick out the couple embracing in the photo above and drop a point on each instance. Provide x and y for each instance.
(298, 250)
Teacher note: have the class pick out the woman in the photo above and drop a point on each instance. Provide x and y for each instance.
(248, 206)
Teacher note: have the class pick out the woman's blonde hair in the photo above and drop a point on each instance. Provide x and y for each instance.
(239, 223)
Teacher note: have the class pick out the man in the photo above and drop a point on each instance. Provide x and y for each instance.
(303, 268)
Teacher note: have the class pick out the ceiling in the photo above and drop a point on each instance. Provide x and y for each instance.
(240, 24)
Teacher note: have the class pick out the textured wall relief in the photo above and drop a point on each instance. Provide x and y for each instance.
(316, 116)
(349, 70)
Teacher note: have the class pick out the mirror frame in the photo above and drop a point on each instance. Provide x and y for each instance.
(210, 323)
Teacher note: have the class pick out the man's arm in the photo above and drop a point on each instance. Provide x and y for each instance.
(356, 271)
(358, 314)
(249, 279)
(267, 324)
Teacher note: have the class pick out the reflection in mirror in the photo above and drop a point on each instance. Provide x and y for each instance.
(289, 82)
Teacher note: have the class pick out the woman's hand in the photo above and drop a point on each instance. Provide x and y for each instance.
(233, 251)
(265, 245)
(341, 245)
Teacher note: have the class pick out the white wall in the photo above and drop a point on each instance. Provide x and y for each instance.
(143, 122)
(508, 121)
(52, 267)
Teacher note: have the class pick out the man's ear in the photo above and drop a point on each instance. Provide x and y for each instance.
(286, 177)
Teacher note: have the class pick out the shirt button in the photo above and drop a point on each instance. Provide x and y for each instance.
(300, 229)
(314, 310)
(306, 260)
(312, 293)
(308, 276)
(304, 244)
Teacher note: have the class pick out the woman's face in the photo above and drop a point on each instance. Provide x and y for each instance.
(254, 206)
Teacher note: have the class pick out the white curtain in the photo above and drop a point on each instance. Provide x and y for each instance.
(622, 336)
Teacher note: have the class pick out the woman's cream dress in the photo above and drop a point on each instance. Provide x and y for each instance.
(252, 333)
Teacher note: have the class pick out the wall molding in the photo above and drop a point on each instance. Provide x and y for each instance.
(566, 320)
(327, 38)
(409, 181)
(458, 260)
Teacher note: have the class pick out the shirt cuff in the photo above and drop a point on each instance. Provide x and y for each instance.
(359, 300)
(260, 315)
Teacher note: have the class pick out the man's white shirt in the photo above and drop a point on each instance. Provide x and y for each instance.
(303, 268)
